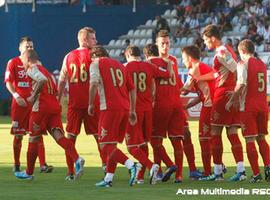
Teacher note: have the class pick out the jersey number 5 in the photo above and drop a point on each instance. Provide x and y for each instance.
(261, 82)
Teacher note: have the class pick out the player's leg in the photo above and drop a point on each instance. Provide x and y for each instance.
(206, 155)
(178, 157)
(237, 151)
(44, 167)
(17, 145)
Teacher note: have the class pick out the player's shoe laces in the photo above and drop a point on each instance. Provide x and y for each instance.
(133, 173)
(79, 167)
(153, 174)
(267, 173)
(212, 177)
(23, 175)
(167, 174)
(256, 179)
(46, 168)
(70, 177)
(103, 184)
(17, 168)
(195, 175)
(240, 176)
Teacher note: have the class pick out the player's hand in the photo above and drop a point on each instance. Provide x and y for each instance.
(31, 99)
(91, 110)
(21, 102)
(132, 118)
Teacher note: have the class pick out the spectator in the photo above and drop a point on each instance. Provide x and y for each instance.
(247, 10)
(194, 22)
(260, 12)
(229, 42)
(212, 19)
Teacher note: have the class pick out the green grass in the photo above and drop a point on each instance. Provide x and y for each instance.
(52, 186)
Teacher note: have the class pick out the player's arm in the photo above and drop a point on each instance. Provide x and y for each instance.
(132, 100)
(40, 79)
(94, 82)
(241, 83)
(9, 78)
(62, 80)
(206, 77)
(192, 103)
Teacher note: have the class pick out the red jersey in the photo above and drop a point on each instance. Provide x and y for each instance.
(16, 74)
(225, 67)
(75, 69)
(167, 89)
(114, 83)
(253, 74)
(142, 74)
(46, 101)
(205, 89)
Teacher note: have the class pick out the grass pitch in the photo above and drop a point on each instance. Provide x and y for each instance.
(53, 187)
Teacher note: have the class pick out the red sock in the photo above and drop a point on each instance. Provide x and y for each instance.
(206, 156)
(110, 164)
(32, 153)
(264, 151)
(178, 156)
(217, 149)
(157, 142)
(237, 148)
(189, 152)
(69, 161)
(137, 153)
(156, 155)
(69, 148)
(114, 156)
(41, 152)
(253, 157)
(144, 148)
(17, 146)
(102, 156)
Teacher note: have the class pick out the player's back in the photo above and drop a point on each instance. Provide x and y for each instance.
(16, 74)
(167, 89)
(77, 65)
(142, 74)
(256, 97)
(114, 86)
(47, 101)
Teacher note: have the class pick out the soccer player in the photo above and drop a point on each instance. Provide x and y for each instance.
(109, 77)
(19, 85)
(138, 135)
(224, 68)
(45, 115)
(251, 88)
(205, 91)
(75, 70)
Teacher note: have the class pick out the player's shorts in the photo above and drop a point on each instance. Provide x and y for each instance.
(168, 121)
(20, 118)
(204, 124)
(254, 123)
(39, 122)
(219, 115)
(141, 132)
(112, 126)
(75, 118)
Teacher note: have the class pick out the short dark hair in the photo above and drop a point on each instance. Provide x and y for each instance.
(98, 51)
(133, 50)
(192, 51)
(212, 30)
(151, 50)
(247, 45)
(31, 54)
(162, 33)
(25, 39)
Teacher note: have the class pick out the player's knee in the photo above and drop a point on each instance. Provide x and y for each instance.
(57, 133)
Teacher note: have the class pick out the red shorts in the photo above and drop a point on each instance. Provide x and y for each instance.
(75, 118)
(219, 115)
(254, 123)
(40, 122)
(112, 126)
(204, 124)
(168, 121)
(20, 118)
(141, 132)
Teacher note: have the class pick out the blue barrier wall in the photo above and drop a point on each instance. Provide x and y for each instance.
(54, 29)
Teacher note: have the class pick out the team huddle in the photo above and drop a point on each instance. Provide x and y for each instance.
(140, 102)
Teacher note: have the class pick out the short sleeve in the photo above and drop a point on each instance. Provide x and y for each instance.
(63, 73)
(35, 74)
(9, 74)
(226, 59)
(242, 73)
(94, 72)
